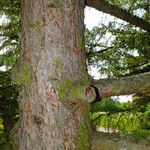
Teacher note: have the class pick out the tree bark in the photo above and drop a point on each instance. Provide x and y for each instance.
(54, 108)
(123, 86)
(55, 93)
(106, 7)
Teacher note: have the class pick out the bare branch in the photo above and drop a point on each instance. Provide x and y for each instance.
(123, 86)
(99, 52)
(104, 6)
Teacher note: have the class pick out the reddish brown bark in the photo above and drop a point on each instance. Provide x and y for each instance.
(53, 112)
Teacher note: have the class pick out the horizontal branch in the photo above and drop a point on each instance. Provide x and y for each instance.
(139, 70)
(99, 52)
(123, 86)
(106, 7)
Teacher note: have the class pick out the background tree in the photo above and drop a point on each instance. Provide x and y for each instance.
(9, 53)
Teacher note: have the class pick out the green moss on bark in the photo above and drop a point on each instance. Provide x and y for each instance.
(80, 40)
(21, 75)
(35, 25)
(38, 26)
(82, 140)
(63, 88)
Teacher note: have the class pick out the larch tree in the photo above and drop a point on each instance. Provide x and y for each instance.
(56, 91)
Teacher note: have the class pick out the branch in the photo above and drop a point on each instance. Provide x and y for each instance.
(139, 70)
(99, 52)
(123, 86)
(104, 6)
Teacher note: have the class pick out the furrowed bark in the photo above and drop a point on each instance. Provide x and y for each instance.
(123, 86)
(104, 6)
(54, 111)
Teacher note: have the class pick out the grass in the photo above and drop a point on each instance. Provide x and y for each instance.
(141, 135)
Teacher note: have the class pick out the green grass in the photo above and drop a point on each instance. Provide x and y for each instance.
(141, 135)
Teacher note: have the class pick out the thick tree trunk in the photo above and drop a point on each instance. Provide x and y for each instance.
(55, 94)
(54, 112)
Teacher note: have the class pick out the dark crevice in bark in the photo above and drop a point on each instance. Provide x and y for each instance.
(98, 97)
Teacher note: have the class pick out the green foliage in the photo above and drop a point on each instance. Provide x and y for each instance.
(2, 138)
(108, 105)
(147, 112)
(9, 32)
(115, 115)
(141, 135)
(8, 92)
(129, 117)
(125, 51)
(1, 124)
(119, 49)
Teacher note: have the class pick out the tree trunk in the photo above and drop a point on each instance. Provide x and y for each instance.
(54, 112)
(55, 93)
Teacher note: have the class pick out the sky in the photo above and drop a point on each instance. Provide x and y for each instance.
(94, 18)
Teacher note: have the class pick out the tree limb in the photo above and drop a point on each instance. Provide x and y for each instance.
(104, 6)
(98, 52)
(123, 86)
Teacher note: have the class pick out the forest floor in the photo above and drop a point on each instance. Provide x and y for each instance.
(117, 141)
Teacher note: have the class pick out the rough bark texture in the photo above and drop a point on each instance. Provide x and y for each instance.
(106, 7)
(123, 86)
(55, 94)
(54, 112)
